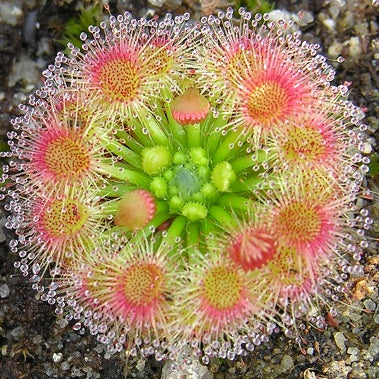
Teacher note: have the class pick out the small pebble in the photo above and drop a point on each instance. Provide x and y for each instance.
(18, 332)
(280, 14)
(340, 341)
(65, 366)
(337, 370)
(26, 70)
(358, 373)
(62, 322)
(49, 371)
(37, 339)
(4, 291)
(140, 366)
(330, 24)
(353, 350)
(44, 47)
(374, 346)
(2, 223)
(304, 18)
(334, 12)
(335, 49)
(156, 3)
(76, 372)
(10, 13)
(107, 355)
(57, 357)
(369, 304)
(99, 348)
(355, 316)
(308, 374)
(190, 369)
(287, 362)
(355, 48)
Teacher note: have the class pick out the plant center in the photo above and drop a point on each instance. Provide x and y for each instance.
(187, 181)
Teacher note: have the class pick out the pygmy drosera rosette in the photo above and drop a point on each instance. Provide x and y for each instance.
(188, 184)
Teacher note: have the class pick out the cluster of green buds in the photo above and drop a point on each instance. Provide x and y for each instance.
(177, 183)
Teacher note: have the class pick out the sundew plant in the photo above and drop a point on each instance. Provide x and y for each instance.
(177, 183)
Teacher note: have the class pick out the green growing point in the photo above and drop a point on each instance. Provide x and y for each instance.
(155, 159)
(223, 176)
